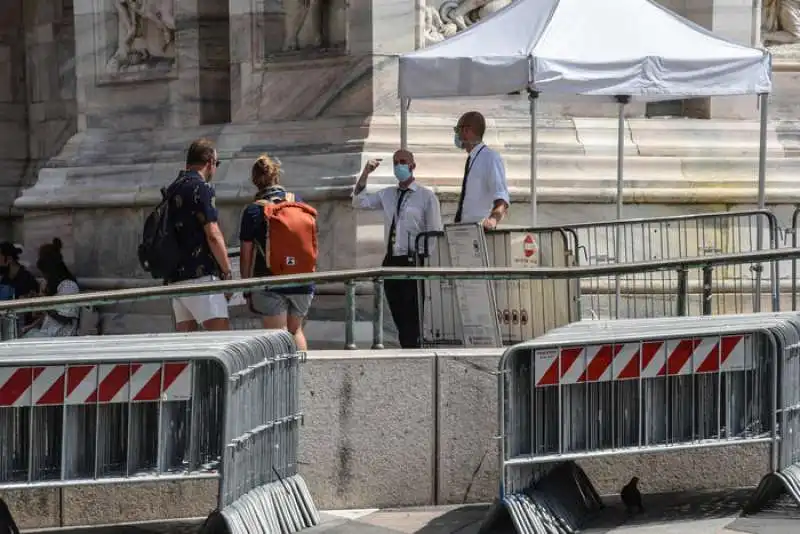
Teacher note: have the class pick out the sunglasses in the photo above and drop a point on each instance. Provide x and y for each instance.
(217, 163)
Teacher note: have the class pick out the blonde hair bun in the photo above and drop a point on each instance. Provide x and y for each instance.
(266, 171)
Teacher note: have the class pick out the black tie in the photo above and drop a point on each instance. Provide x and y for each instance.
(393, 227)
(463, 191)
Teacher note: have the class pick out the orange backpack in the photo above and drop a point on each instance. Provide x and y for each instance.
(291, 236)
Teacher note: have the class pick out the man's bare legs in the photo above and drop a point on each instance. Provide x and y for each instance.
(217, 324)
(186, 326)
(212, 325)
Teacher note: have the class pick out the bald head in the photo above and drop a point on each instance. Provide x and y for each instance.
(403, 157)
(471, 127)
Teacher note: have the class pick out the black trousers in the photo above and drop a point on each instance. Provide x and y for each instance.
(402, 296)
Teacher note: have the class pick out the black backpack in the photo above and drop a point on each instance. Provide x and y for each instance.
(159, 252)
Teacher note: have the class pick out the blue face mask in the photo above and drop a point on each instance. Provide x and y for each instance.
(402, 172)
(457, 141)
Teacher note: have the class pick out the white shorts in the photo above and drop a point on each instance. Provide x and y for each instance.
(199, 308)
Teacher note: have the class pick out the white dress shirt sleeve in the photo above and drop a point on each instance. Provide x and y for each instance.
(366, 201)
(498, 184)
(433, 215)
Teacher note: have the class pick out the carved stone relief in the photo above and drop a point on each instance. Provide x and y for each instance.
(145, 37)
(780, 28)
(453, 16)
(314, 24)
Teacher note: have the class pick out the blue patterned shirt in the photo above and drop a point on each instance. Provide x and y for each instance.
(193, 205)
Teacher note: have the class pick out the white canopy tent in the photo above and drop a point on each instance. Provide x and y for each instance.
(623, 49)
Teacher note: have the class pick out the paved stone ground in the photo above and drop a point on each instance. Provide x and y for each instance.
(712, 513)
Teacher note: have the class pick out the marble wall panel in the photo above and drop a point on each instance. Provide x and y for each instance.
(271, 80)
(175, 73)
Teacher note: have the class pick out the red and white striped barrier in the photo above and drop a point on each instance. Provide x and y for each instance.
(91, 384)
(650, 359)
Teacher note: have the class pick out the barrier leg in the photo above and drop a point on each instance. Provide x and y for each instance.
(708, 274)
(683, 292)
(377, 318)
(8, 327)
(350, 316)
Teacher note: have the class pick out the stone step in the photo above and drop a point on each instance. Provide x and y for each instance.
(647, 137)
(445, 167)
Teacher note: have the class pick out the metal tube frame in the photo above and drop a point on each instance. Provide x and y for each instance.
(621, 102)
(405, 104)
(763, 104)
(708, 278)
(351, 276)
(533, 97)
(377, 317)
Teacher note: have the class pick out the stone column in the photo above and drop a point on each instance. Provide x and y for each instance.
(37, 94)
(13, 107)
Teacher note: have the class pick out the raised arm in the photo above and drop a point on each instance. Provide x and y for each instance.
(361, 199)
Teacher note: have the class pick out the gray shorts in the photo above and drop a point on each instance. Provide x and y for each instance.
(272, 304)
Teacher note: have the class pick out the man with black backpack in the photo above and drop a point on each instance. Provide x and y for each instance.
(183, 243)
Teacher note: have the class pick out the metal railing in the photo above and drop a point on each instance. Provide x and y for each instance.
(681, 268)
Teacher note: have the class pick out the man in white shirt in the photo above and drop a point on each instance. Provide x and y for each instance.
(484, 194)
(408, 210)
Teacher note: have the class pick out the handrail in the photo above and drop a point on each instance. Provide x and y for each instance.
(100, 298)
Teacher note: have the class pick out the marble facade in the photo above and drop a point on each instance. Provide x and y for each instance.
(99, 98)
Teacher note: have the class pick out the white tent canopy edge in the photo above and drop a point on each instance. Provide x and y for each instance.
(589, 49)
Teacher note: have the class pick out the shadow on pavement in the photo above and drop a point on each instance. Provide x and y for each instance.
(464, 520)
(670, 508)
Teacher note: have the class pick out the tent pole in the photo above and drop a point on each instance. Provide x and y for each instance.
(533, 96)
(405, 103)
(763, 103)
(621, 101)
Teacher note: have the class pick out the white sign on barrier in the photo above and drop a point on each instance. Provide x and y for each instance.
(237, 299)
(476, 301)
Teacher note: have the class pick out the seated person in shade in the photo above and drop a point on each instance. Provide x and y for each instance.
(16, 282)
(58, 280)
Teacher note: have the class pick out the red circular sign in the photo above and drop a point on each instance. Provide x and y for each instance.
(529, 245)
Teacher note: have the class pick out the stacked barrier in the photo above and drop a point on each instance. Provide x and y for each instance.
(605, 388)
(117, 409)
(736, 288)
(527, 309)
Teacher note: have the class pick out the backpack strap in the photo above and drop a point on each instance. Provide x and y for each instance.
(289, 197)
(265, 205)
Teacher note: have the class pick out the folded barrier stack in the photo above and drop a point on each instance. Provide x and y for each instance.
(604, 388)
(117, 409)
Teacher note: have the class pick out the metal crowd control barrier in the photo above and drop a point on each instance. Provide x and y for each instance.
(525, 308)
(737, 289)
(794, 230)
(608, 388)
(528, 310)
(117, 409)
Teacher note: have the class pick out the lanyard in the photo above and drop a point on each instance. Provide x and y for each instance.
(471, 161)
